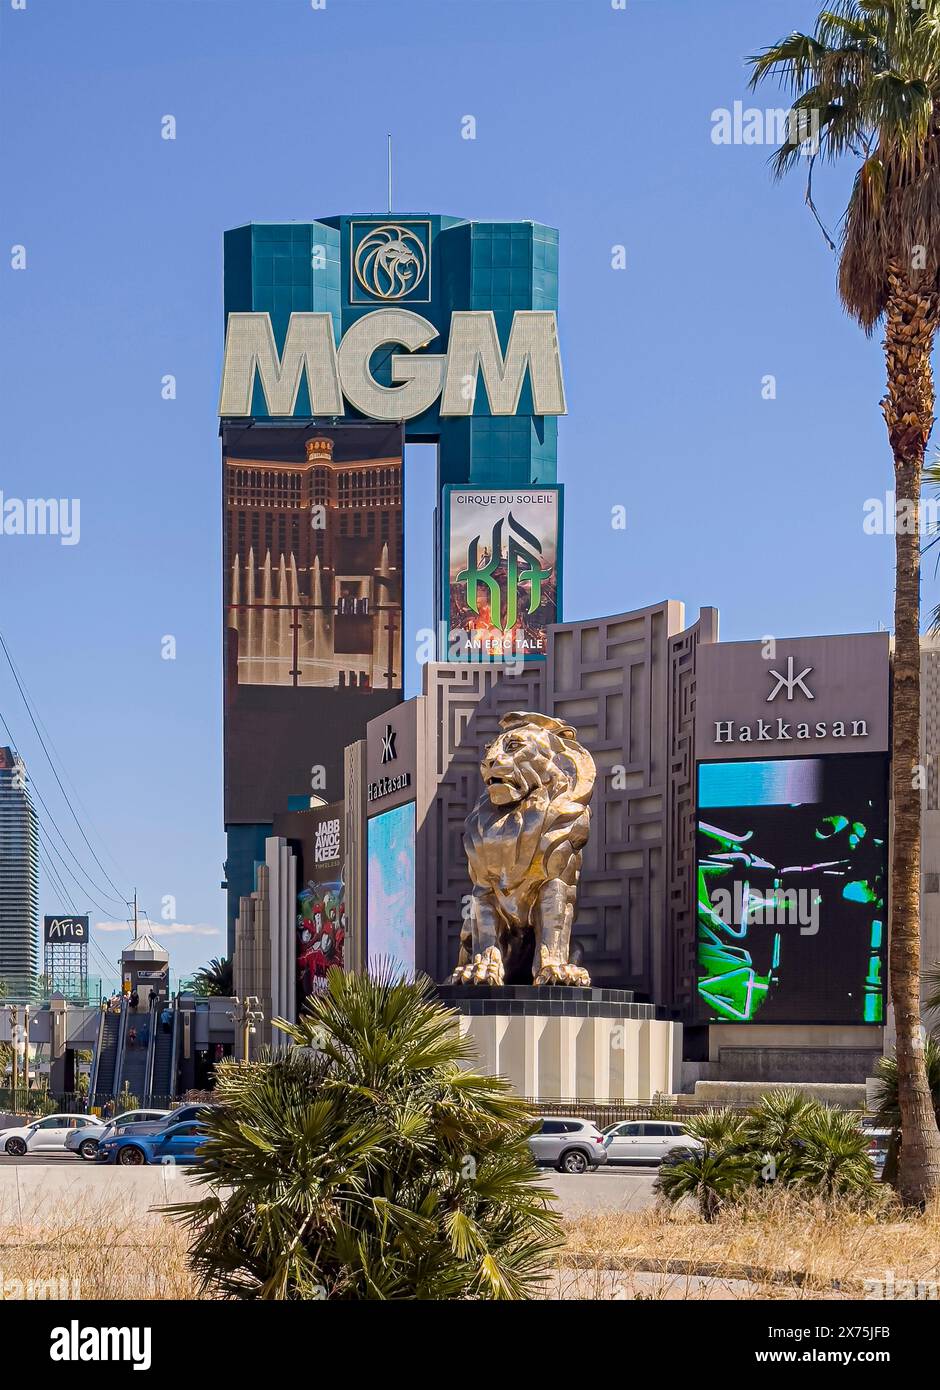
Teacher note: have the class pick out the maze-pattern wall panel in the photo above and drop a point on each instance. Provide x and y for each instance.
(930, 721)
(681, 924)
(610, 678)
(465, 705)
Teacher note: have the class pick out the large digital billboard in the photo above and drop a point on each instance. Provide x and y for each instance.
(792, 886)
(313, 555)
(502, 570)
(391, 900)
(312, 585)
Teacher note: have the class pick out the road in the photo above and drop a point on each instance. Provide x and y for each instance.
(610, 1188)
(30, 1160)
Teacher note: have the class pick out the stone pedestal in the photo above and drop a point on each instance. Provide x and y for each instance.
(582, 1045)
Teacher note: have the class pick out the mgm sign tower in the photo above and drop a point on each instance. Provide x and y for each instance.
(346, 338)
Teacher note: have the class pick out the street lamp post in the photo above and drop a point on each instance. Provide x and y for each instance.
(246, 1015)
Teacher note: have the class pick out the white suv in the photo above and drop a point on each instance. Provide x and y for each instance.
(568, 1144)
(646, 1141)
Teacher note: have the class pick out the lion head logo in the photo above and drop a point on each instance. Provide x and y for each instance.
(390, 261)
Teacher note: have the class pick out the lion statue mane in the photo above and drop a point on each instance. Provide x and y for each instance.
(523, 841)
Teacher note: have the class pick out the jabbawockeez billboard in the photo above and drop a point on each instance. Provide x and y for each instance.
(317, 838)
(792, 830)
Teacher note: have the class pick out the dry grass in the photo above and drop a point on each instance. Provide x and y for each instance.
(777, 1245)
(94, 1251)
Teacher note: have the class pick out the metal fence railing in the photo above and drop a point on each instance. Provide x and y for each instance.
(37, 1102)
(602, 1113)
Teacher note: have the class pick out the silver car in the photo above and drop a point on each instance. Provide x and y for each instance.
(84, 1142)
(568, 1144)
(646, 1141)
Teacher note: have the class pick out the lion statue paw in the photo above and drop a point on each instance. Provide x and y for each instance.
(559, 973)
(485, 969)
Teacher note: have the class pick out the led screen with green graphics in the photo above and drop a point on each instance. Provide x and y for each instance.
(792, 882)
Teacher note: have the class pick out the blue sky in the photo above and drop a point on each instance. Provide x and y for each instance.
(591, 119)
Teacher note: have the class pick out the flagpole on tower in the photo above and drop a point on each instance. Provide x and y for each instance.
(389, 174)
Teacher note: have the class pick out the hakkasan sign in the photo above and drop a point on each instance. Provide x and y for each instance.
(782, 697)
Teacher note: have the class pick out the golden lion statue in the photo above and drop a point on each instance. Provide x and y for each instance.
(523, 841)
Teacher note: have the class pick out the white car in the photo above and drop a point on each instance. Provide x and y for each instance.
(46, 1134)
(646, 1141)
(85, 1141)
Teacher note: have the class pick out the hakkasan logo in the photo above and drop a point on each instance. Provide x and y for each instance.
(790, 683)
(390, 262)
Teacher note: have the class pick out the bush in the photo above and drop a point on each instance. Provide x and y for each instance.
(786, 1140)
(363, 1162)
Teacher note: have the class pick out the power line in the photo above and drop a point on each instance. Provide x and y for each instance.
(75, 791)
(49, 868)
(83, 892)
(55, 774)
(39, 797)
(46, 847)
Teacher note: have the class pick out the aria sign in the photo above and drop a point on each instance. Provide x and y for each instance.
(418, 378)
(73, 929)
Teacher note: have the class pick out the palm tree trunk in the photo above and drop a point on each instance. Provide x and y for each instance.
(911, 323)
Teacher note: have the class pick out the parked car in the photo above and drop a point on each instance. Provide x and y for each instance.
(194, 1111)
(176, 1144)
(85, 1141)
(568, 1144)
(51, 1132)
(645, 1141)
(878, 1141)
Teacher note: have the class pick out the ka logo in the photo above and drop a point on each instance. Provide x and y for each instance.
(388, 745)
(789, 682)
(522, 563)
(390, 262)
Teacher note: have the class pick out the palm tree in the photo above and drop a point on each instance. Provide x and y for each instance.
(869, 75)
(215, 978)
(887, 1108)
(366, 1161)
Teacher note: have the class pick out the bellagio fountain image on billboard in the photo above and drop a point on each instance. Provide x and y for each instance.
(313, 554)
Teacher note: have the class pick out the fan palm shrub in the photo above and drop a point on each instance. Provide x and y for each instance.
(833, 1154)
(786, 1140)
(716, 1172)
(866, 83)
(366, 1161)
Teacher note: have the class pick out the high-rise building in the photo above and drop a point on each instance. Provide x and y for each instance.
(19, 878)
(338, 332)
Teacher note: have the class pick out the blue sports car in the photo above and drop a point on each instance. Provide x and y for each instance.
(175, 1144)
